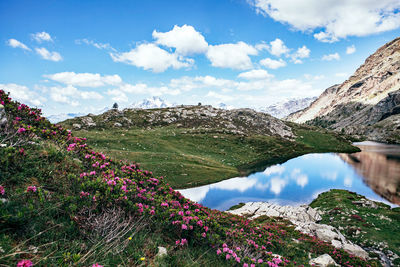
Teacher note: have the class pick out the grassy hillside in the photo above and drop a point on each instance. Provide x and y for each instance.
(64, 204)
(189, 157)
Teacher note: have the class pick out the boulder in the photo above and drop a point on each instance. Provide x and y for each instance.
(322, 261)
(162, 252)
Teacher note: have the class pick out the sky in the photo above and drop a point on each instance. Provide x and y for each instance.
(81, 56)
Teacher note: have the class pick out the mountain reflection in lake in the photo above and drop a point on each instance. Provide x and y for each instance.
(374, 172)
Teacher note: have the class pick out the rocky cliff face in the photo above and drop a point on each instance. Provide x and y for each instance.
(367, 104)
(236, 121)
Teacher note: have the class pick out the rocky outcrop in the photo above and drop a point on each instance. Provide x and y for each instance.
(198, 118)
(323, 261)
(3, 117)
(367, 104)
(305, 219)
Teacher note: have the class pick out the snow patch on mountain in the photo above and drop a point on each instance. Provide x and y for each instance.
(284, 108)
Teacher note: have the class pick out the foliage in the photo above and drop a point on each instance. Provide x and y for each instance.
(58, 195)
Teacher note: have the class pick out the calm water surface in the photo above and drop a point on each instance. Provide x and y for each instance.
(374, 173)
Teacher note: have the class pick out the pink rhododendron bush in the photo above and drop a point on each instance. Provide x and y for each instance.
(90, 184)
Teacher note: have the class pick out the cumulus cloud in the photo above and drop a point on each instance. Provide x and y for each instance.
(278, 47)
(235, 56)
(255, 74)
(85, 79)
(350, 49)
(41, 37)
(338, 19)
(331, 57)
(272, 64)
(17, 44)
(23, 94)
(46, 54)
(70, 95)
(302, 52)
(186, 40)
(105, 46)
(151, 57)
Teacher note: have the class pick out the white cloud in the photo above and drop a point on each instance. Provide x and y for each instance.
(331, 57)
(235, 56)
(186, 40)
(274, 169)
(41, 36)
(15, 43)
(272, 64)
(278, 48)
(348, 181)
(338, 19)
(350, 49)
(151, 57)
(255, 74)
(23, 94)
(106, 46)
(85, 79)
(118, 95)
(70, 95)
(277, 185)
(302, 52)
(46, 54)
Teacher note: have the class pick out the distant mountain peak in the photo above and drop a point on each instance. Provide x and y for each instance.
(284, 108)
(152, 102)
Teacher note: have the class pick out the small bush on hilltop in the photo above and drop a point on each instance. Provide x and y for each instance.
(65, 204)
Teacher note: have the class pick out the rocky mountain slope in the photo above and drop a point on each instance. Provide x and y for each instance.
(236, 121)
(283, 109)
(365, 105)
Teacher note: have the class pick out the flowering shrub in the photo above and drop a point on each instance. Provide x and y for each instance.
(105, 183)
(24, 263)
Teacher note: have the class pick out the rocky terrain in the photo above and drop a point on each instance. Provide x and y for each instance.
(283, 109)
(366, 105)
(306, 221)
(236, 121)
(344, 219)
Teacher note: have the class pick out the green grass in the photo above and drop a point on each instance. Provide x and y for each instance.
(188, 158)
(378, 224)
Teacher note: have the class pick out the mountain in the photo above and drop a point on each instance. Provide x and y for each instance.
(224, 106)
(152, 102)
(283, 109)
(63, 116)
(366, 105)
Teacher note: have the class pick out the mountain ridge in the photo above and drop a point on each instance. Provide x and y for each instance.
(367, 104)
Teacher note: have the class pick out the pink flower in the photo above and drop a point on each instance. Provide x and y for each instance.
(237, 259)
(31, 189)
(2, 191)
(183, 241)
(184, 227)
(219, 251)
(204, 235)
(260, 261)
(227, 256)
(24, 263)
(97, 265)
(21, 130)
(177, 242)
(245, 265)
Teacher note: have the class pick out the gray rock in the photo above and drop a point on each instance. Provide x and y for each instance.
(76, 126)
(323, 261)
(162, 252)
(117, 124)
(305, 219)
(3, 118)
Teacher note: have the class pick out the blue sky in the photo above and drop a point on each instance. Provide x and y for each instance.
(80, 56)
